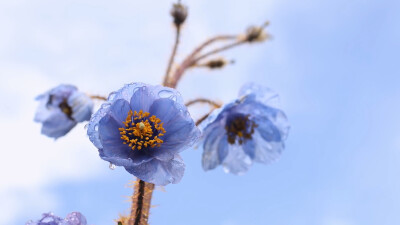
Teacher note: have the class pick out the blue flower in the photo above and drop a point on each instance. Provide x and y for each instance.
(61, 108)
(74, 218)
(244, 131)
(143, 128)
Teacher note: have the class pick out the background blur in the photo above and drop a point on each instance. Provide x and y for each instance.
(334, 63)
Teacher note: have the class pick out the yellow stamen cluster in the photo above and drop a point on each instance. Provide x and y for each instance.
(138, 130)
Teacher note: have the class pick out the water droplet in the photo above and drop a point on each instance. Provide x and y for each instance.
(111, 96)
(105, 105)
(96, 127)
(111, 166)
(173, 98)
(165, 94)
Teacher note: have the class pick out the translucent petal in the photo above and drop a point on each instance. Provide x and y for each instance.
(266, 151)
(181, 131)
(260, 93)
(81, 105)
(57, 125)
(236, 162)
(215, 147)
(159, 172)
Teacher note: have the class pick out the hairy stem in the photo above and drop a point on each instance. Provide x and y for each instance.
(173, 54)
(141, 202)
(98, 97)
(189, 60)
(217, 50)
(203, 100)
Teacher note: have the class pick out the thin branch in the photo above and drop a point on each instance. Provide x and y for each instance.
(217, 50)
(202, 118)
(98, 97)
(173, 54)
(203, 100)
(188, 61)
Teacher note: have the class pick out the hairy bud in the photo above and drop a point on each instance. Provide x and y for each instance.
(179, 12)
(256, 33)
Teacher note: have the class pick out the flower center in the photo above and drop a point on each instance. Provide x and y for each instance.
(239, 127)
(142, 130)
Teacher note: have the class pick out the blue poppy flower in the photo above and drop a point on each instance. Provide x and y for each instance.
(143, 128)
(244, 131)
(61, 108)
(74, 218)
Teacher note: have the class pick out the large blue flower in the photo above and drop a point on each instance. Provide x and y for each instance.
(61, 108)
(143, 128)
(244, 131)
(74, 218)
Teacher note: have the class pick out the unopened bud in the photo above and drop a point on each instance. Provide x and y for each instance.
(217, 63)
(256, 33)
(179, 12)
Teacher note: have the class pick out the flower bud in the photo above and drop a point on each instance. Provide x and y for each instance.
(179, 12)
(255, 33)
(216, 63)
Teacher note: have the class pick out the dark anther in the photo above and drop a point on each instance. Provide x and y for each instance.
(179, 12)
(65, 108)
(50, 100)
(239, 127)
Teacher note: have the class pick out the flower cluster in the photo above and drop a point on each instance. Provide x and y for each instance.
(61, 108)
(245, 130)
(144, 128)
(74, 218)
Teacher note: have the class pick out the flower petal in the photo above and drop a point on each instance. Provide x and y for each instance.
(236, 162)
(142, 99)
(81, 106)
(181, 131)
(215, 147)
(159, 172)
(114, 150)
(265, 151)
(259, 93)
(57, 125)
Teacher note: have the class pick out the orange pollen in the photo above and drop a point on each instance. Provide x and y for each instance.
(142, 130)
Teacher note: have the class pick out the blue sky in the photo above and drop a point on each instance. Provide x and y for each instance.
(334, 64)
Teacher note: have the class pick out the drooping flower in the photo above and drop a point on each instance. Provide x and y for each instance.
(74, 218)
(61, 108)
(143, 128)
(244, 131)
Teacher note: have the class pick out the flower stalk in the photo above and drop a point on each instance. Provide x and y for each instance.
(141, 203)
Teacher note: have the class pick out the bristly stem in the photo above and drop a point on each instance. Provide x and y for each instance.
(141, 202)
(203, 100)
(173, 54)
(188, 61)
(217, 50)
(98, 97)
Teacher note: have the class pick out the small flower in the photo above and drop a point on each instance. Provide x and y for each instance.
(143, 128)
(246, 130)
(61, 108)
(74, 218)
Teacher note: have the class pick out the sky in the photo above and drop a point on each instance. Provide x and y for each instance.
(333, 63)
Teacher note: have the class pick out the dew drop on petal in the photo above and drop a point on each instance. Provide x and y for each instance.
(96, 127)
(173, 98)
(111, 166)
(165, 94)
(111, 96)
